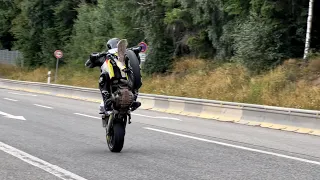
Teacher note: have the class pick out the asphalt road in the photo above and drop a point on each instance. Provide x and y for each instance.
(64, 139)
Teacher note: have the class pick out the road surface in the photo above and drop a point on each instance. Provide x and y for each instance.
(46, 137)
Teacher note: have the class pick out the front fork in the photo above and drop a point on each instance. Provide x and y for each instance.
(109, 123)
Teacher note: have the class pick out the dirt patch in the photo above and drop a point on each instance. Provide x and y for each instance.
(316, 82)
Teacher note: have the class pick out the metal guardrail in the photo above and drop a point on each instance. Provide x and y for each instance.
(290, 119)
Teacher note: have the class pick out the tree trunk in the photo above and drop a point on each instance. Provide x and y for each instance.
(309, 27)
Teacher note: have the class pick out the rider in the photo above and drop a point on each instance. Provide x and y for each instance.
(97, 60)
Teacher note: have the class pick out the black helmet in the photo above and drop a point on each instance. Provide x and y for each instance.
(112, 43)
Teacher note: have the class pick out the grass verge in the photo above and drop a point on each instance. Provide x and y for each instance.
(66, 75)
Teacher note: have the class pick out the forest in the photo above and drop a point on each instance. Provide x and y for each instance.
(259, 34)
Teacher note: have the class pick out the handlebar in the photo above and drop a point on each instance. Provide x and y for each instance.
(95, 56)
(136, 49)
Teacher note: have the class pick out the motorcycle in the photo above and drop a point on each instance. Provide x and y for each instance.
(128, 62)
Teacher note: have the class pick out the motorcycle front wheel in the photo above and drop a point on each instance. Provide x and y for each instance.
(115, 140)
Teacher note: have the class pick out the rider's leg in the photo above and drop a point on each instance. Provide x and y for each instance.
(104, 86)
(136, 104)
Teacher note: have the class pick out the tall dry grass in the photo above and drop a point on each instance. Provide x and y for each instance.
(288, 85)
(66, 75)
(12, 72)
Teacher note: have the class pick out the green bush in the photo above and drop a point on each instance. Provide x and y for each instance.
(257, 45)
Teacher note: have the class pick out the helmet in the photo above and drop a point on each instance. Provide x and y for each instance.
(112, 43)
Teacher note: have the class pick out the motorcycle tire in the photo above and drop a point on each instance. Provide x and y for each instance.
(116, 140)
(134, 64)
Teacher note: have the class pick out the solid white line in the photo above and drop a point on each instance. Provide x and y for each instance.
(50, 168)
(43, 106)
(132, 114)
(10, 99)
(87, 116)
(175, 119)
(236, 146)
(22, 94)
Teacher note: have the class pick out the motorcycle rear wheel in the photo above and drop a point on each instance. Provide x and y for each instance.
(135, 66)
(115, 140)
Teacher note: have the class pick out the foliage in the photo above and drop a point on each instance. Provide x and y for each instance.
(259, 34)
(7, 13)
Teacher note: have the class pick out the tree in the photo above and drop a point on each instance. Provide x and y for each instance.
(41, 27)
(7, 13)
(159, 58)
(308, 35)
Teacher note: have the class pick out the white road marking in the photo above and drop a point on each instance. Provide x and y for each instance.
(155, 117)
(236, 146)
(50, 168)
(12, 116)
(87, 116)
(22, 94)
(43, 106)
(132, 114)
(10, 99)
